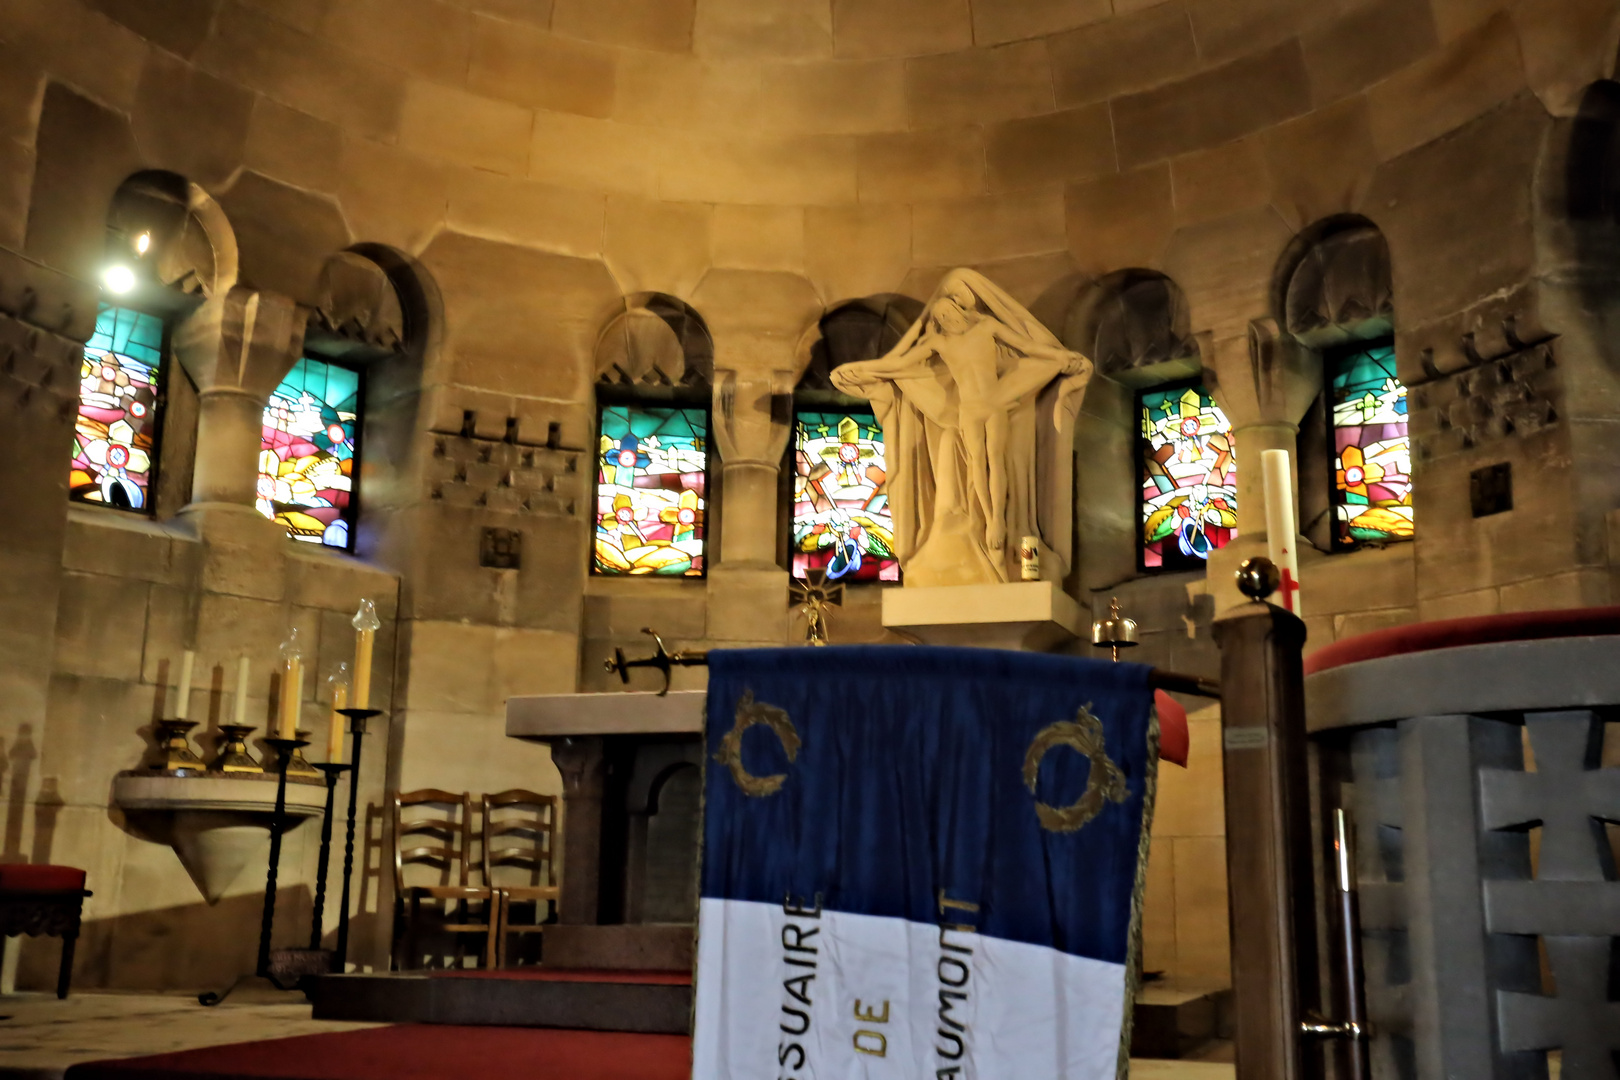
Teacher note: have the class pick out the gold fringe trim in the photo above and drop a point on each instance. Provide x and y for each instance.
(1133, 946)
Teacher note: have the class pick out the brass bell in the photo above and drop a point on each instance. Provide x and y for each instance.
(1115, 632)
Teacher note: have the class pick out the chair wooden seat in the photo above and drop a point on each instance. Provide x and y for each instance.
(523, 843)
(447, 849)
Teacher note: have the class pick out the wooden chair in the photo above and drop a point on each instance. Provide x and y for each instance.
(522, 841)
(444, 842)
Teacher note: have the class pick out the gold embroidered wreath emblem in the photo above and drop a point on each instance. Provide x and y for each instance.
(1084, 734)
(750, 713)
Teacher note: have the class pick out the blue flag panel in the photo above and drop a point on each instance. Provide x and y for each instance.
(900, 774)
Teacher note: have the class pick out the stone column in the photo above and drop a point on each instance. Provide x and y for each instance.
(237, 348)
(1264, 383)
(753, 418)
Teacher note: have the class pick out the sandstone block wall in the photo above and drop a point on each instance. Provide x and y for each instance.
(538, 165)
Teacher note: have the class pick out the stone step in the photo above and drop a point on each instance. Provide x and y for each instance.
(1175, 1018)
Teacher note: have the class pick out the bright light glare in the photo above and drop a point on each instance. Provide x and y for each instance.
(143, 243)
(118, 278)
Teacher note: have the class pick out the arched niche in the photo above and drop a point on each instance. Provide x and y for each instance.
(1133, 324)
(1334, 284)
(175, 238)
(1333, 294)
(658, 347)
(858, 330)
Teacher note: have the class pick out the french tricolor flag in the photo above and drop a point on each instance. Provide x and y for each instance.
(921, 864)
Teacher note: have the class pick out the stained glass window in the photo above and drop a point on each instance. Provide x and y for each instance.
(1189, 478)
(841, 518)
(307, 454)
(1372, 477)
(651, 479)
(115, 437)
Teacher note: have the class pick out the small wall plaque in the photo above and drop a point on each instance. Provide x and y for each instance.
(502, 549)
(1490, 490)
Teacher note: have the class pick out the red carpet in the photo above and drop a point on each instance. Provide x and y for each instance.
(590, 975)
(419, 1052)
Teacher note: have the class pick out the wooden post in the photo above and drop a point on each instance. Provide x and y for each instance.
(1268, 837)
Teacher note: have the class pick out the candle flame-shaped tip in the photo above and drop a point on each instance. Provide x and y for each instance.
(340, 677)
(293, 646)
(366, 617)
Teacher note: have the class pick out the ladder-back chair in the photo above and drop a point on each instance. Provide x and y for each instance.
(520, 833)
(442, 841)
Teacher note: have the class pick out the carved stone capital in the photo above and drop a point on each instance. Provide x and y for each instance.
(241, 340)
(1267, 378)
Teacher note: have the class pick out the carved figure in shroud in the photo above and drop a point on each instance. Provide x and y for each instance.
(977, 404)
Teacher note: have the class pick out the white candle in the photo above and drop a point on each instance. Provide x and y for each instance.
(334, 733)
(1281, 530)
(241, 691)
(183, 706)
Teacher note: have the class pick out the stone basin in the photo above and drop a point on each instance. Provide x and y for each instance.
(216, 823)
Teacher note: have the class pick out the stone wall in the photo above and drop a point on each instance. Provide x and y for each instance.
(530, 169)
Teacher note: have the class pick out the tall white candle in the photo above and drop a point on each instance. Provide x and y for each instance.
(241, 691)
(1281, 529)
(183, 706)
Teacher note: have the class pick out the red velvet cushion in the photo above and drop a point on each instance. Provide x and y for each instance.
(1174, 738)
(1481, 630)
(33, 877)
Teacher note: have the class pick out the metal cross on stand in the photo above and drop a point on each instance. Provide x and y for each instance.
(813, 596)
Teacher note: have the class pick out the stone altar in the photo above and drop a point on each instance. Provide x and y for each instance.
(618, 754)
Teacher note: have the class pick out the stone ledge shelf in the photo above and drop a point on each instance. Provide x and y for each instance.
(217, 823)
(545, 717)
(1031, 616)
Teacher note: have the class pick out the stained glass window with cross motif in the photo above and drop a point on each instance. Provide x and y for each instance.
(1188, 478)
(841, 518)
(120, 390)
(651, 480)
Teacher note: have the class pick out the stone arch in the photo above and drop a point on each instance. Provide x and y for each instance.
(858, 330)
(1334, 283)
(658, 346)
(189, 245)
(1134, 325)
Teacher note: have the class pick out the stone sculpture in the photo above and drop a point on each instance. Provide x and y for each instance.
(977, 404)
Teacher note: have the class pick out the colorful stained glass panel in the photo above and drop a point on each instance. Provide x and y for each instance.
(841, 518)
(115, 436)
(651, 476)
(1189, 478)
(1372, 467)
(307, 454)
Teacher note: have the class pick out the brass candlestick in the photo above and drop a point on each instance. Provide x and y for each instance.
(296, 765)
(234, 756)
(175, 749)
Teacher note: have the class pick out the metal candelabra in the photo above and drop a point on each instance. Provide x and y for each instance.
(357, 727)
(285, 749)
(332, 770)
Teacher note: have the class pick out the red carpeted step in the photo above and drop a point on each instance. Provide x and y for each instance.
(419, 1052)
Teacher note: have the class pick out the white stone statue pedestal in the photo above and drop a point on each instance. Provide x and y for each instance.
(1030, 616)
